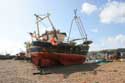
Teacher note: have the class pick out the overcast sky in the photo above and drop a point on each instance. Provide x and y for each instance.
(104, 21)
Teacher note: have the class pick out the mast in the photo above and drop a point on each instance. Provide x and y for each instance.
(38, 18)
(37, 23)
(52, 26)
(80, 26)
(51, 22)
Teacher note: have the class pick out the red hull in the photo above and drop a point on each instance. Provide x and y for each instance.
(50, 59)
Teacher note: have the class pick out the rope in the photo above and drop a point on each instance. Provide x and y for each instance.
(79, 27)
(83, 28)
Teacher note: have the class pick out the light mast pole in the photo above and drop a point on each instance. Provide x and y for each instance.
(37, 23)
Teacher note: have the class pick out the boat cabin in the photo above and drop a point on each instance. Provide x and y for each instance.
(59, 36)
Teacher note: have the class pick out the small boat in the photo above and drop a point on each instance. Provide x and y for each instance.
(50, 49)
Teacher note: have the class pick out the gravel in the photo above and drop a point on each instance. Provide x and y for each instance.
(15, 71)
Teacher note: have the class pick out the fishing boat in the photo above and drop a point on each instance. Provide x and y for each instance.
(50, 48)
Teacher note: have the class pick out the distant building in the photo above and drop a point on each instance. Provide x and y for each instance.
(105, 54)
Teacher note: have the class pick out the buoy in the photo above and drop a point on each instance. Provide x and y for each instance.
(53, 41)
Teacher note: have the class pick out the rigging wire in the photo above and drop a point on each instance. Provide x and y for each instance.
(79, 25)
(70, 29)
(83, 28)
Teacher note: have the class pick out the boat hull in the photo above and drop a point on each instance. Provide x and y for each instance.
(44, 59)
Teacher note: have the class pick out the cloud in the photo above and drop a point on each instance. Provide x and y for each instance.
(111, 42)
(115, 42)
(113, 12)
(109, 0)
(88, 8)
